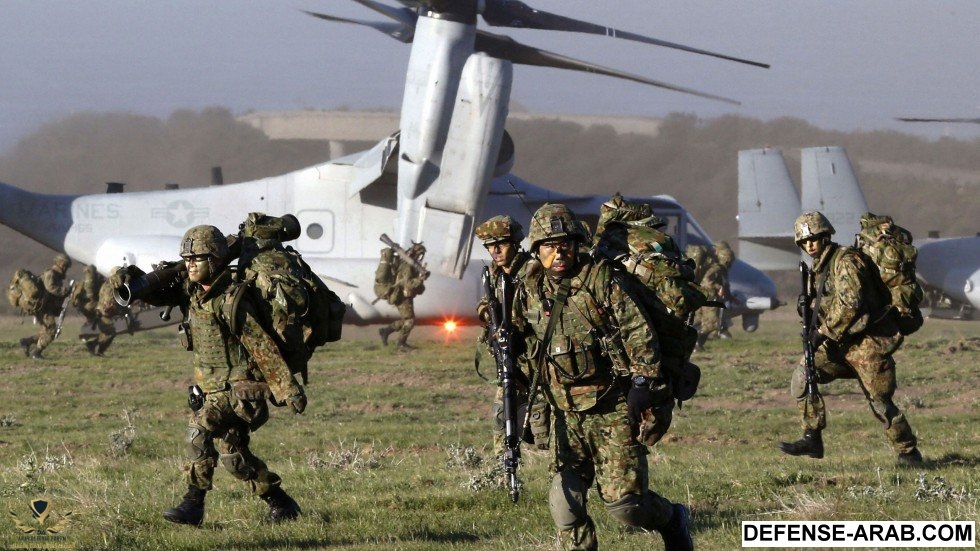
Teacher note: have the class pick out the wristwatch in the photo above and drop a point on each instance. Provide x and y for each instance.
(640, 381)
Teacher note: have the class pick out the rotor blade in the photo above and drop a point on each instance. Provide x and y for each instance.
(398, 31)
(513, 13)
(405, 16)
(911, 119)
(507, 48)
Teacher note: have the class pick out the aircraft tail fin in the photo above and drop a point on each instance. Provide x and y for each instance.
(42, 217)
(830, 185)
(768, 204)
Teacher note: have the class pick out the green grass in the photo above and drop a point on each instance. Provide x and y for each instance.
(393, 451)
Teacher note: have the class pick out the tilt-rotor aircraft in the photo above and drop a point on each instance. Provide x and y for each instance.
(445, 170)
(948, 268)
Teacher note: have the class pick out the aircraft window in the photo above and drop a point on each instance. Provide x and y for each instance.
(314, 231)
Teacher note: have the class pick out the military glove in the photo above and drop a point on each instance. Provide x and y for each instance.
(297, 401)
(639, 399)
(817, 339)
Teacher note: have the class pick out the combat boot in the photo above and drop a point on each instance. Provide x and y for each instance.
(281, 506)
(385, 332)
(403, 345)
(190, 510)
(811, 445)
(26, 343)
(912, 458)
(677, 532)
(92, 345)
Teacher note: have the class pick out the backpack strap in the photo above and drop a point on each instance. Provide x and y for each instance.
(229, 309)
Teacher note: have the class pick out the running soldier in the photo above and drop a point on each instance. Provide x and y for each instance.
(236, 374)
(855, 337)
(726, 257)
(409, 282)
(55, 292)
(605, 386)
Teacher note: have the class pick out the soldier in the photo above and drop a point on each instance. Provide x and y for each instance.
(855, 336)
(726, 257)
(106, 311)
(502, 236)
(85, 294)
(411, 283)
(236, 374)
(710, 277)
(55, 292)
(604, 386)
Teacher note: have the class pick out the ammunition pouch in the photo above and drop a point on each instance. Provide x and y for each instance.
(572, 362)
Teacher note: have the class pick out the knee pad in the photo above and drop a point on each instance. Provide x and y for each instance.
(633, 510)
(566, 500)
(797, 384)
(236, 464)
(884, 410)
(196, 445)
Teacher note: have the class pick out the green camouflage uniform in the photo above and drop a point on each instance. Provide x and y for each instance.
(106, 311)
(726, 257)
(412, 284)
(55, 292)
(596, 443)
(494, 230)
(85, 294)
(710, 276)
(861, 337)
(226, 366)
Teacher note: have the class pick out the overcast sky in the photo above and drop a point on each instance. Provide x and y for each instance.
(840, 64)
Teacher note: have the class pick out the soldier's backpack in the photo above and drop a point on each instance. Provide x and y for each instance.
(86, 291)
(889, 246)
(385, 275)
(294, 303)
(664, 284)
(26, 292)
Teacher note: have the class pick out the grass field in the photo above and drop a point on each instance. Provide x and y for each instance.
(393, 450)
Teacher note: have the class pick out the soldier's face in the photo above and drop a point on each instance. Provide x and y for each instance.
(198, 269)
(558, 256)
(502, 252)
(813, 246)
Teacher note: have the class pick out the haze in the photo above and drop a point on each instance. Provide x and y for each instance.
(838, 64)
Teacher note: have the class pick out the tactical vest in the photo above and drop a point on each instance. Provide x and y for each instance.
(577, 370)
(219, 358)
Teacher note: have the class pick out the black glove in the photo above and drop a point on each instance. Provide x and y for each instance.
(297, 401)
(639, 399)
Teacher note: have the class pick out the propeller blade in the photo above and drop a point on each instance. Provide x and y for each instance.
(507, 48)
(405, 16)
(513, 13)
(911, 119)
(398, 31)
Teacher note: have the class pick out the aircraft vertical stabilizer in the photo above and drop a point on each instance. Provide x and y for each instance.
(830, 186)
(767, 207)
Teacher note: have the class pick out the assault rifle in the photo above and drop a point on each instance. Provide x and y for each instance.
(806, 312)
(499, 335)
(64, 310)
(403, 254)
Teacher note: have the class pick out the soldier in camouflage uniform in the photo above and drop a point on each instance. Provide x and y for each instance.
(85, 294)
(502, 236)
(412, 284)
(236, 374)
(55, 292)
(855, 336)
(710, 277)
(726, 257)
(599, 363)
(106, 312)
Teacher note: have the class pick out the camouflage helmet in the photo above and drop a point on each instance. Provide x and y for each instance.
(62, 259)
(552, 221)
(500, 228)
(417, 250)
(724, 253)
(625, 210)
(204, 240)
(811, 224)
